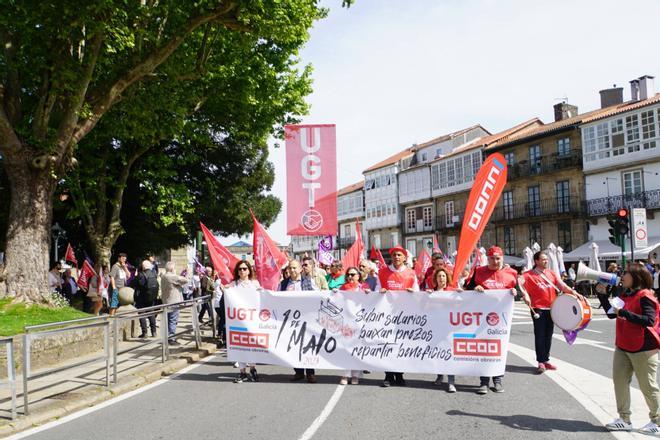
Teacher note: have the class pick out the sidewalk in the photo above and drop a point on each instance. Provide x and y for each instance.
(59, 394)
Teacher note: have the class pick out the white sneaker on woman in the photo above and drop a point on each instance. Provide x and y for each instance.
(650, 429)
(619, 425)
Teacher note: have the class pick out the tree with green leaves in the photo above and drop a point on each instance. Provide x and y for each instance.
(66, 65)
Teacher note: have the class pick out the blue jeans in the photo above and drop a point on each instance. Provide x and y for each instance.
(172, 320)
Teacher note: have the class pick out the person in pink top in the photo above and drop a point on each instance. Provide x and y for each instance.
(354, 283)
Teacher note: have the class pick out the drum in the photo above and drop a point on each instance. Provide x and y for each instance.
(570, 313)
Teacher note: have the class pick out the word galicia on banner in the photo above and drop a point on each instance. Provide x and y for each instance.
(311, 159)
(464, 333)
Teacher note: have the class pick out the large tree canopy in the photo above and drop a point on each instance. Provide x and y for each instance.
(66, 64)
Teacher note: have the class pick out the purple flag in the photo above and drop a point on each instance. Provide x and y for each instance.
(325, 250)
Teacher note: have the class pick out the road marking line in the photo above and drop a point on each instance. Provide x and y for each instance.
(593, 391)
(316, 424)
(107, 403)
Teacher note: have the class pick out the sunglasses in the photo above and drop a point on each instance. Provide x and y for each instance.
(243, 268)
(305, 265)
(352, 274)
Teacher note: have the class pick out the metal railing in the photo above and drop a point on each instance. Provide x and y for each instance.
(610, 205)
(106, 322)
(539, 208)
(545, 164)
(33, 332)
(11, 373)
(444, 223)
(428, 227)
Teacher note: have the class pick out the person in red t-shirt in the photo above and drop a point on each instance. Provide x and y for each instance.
(541, 285)
(397, 276)
(493, 276)
(437, 263)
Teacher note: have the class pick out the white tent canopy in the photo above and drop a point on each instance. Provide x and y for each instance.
(608, 251)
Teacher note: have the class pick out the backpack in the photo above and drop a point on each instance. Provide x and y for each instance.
(152, 284)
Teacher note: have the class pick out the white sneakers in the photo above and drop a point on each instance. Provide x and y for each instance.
(650, 429)
(619, 425)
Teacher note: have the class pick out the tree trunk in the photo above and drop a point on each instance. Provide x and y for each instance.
(101, 250)
(28, 234)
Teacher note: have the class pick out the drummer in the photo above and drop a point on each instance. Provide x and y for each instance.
(493, 276)
(542, 285)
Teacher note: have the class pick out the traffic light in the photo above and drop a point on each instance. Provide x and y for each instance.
(613, 221)
(623, 225)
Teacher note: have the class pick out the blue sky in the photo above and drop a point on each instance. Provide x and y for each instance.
(392, 73)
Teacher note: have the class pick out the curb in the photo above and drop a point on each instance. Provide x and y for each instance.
(44, 412)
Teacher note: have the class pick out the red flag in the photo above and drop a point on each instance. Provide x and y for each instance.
(311, 188)
(376, 255)
(223, 261)
(354, 253)
(436, 246)
(422, 265)
(70, 256)
(268, 259)
(86, 274)
(485, 193)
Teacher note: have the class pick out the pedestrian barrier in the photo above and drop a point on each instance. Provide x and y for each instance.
(11, 373)
(163, 311)
(33, 332)
(106, 322)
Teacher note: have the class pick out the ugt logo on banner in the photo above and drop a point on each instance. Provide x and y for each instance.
(311, 166)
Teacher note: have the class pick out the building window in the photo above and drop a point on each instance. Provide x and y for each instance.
(376, 241)
(563, 147)
(510, 159)
(509, 241)
(564, 236)
(449, 214)
(427, 215)
(534, 200)
(395, 239)
(424, 157)
(411, 246)
(411, 219)
(535, 159)
(618, 137)
(534, 233)
(507, 204)
(347, 231)
(648, 129)
(632, 183)
(438, 152)
(632, 133)
(563, 196)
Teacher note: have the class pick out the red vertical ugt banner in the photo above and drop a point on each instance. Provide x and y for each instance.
(311, 167)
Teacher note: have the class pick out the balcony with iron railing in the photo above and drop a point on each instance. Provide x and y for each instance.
(444, 223)
(419, 225)
(540, 208)
(610, 205)
(545, 164)
(345, 242)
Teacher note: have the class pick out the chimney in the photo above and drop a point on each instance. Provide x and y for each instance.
(609, 97)
(646, 89)
(564, 110)
(634, 90)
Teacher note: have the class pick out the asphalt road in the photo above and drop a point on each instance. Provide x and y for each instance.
(204, 403)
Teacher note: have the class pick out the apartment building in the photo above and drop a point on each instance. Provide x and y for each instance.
(350, 209)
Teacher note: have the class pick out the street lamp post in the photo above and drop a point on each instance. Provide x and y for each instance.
(58, 233)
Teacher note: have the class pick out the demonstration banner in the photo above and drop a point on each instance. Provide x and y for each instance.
(311, 169)
(464, 333)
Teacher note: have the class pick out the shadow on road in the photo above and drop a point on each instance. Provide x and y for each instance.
(531, 423)
(521, 369)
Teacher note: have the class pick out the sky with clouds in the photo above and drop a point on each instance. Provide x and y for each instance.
(393, 73)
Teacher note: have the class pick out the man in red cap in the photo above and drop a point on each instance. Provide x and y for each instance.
(493, 276)
(397, 276)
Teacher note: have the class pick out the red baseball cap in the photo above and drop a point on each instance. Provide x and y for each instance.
(399, 249)
(495, 251)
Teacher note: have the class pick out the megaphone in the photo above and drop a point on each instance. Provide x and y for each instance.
(585, 273)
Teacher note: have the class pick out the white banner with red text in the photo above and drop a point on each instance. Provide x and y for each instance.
(463, 333)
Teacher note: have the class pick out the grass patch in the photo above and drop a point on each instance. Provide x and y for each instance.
(13, 317)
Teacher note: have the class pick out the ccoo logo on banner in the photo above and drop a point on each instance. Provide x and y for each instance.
(311, 160)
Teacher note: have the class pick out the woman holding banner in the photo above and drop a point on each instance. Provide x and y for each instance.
(354, 283)
(441, 282)
(243, 277)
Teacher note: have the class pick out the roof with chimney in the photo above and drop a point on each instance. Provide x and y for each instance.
(622, 108)
(351, 188)
(447, 137)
